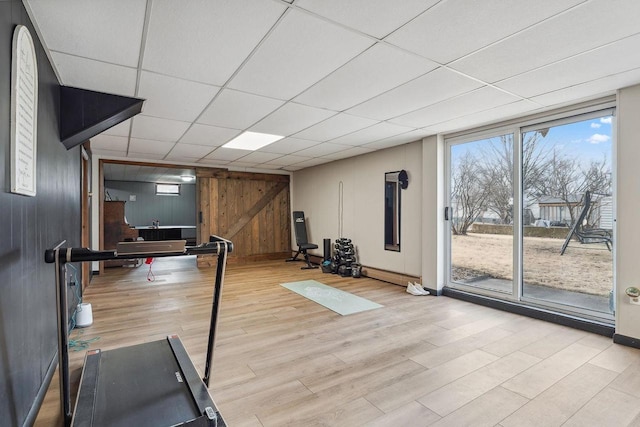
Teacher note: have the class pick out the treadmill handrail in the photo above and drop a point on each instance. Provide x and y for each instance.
(86, 254)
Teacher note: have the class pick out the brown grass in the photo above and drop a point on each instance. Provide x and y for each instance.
(582, 268)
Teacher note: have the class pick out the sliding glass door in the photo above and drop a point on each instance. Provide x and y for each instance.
(530, 214)
(567, 257)
(481, 213)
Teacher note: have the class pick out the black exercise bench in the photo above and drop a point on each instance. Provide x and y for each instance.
(300, 228)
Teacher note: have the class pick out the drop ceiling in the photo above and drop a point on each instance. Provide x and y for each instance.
(336, 78)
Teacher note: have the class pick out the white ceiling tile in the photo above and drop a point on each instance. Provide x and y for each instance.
(291, 118)
(180, 159)
(159, 129)
(351, 152)
(412, 136)
(260, 157)
(492, 115)
(227, 154)
(269, 166)
(110, 153)
(307, 164)
(148, 146)
(121, 129)
(189, 150)
(213, 162)
(323, 149)
(370, 134)
(288, 145)
(320, 47)
(211, 136)
(333, 127)
(206, 41)
(146, 156)
(238, 110)
(478, 100)
(433, 87)
(582, 68)
(452, 29)
(376, 70)
(173, 98)
(590, 90)
(242, 164)
(589, 25)
(93, 28)
(287, 160)
(95, 75)
(109, 142)
(374, 17)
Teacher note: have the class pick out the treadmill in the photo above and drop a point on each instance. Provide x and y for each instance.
(149, 384)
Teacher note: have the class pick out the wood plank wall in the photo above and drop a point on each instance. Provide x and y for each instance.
(250, 209)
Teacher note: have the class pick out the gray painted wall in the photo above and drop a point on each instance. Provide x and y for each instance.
(28, 226)
(170, 210)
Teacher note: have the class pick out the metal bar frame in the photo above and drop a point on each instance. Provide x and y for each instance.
(60, 256)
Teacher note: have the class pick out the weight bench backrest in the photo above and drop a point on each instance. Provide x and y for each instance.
(300, 228)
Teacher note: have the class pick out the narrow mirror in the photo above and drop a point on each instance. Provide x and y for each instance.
(392, 211)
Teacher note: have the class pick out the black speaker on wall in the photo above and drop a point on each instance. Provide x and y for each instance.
(327, 249)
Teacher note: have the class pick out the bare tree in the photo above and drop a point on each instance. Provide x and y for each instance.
(497, 171)
(596, 178)
(468, 193)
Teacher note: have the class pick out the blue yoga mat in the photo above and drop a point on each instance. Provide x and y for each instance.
(334, 299)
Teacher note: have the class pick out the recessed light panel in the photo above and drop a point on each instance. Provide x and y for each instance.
(252, 140)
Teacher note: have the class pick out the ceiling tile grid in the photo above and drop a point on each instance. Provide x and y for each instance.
(453, 29)
(335, 78)
(109, 31)
(207, 40)
(373, 72)
(238, 110)
(80, 72)
(173, 98)
(300, 51)
(155, 128)
(589, 25)
(210, 136)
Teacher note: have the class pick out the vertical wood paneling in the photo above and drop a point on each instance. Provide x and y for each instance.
(202, 206)
(239, 205)
(29, 226)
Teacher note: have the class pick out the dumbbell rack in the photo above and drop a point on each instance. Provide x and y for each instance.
(344, 256)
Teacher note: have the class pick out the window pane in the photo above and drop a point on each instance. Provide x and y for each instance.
(567, 214)
(482, 213)
(168, 189)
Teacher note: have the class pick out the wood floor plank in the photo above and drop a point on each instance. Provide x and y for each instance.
(281, 359)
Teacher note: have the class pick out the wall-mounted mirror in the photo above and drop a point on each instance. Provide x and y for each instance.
(392, 185)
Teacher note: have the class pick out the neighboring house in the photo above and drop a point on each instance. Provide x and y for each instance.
(606, 213)
(554, 209)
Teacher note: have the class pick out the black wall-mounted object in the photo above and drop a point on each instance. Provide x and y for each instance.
(86, 113)
(403, 179)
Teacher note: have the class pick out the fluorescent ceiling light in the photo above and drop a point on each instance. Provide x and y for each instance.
(252, 140)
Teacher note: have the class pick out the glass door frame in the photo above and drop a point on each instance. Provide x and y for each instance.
(517, 129)
(514, 296)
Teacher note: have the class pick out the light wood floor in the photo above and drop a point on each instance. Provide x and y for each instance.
(283, 360)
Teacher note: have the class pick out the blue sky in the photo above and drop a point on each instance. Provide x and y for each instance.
(587, 140)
